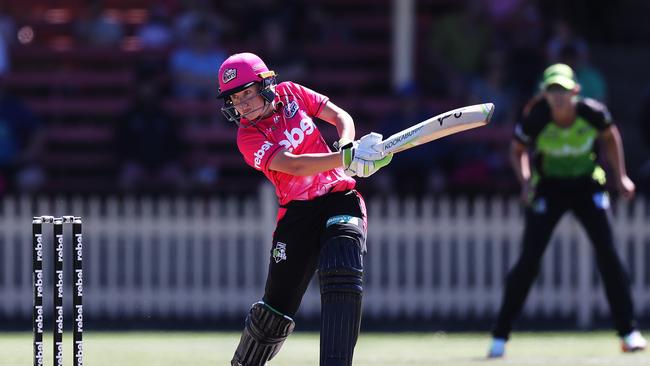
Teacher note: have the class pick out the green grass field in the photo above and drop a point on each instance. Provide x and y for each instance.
(373, 349)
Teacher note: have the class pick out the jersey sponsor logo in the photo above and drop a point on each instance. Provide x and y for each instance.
(296, 136)
(280, 252)
(291, 109)
(568, 150)
(259, 154)
(229, 75)
(343, 219)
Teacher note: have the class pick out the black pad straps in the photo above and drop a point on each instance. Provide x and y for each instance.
(341, 280)
(263, 336)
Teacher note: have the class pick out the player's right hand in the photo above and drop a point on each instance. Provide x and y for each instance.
(347, 149)
(364, 168)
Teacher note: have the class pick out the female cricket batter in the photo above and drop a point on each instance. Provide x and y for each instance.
(321, 222)
(562, 129)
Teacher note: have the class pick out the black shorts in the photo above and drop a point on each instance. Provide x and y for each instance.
(298, 239)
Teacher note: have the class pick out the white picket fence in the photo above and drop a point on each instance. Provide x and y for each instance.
(198, 259)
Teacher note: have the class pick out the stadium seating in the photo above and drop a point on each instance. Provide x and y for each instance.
(80, 93)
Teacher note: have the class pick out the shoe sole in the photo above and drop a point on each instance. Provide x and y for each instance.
(632, 350)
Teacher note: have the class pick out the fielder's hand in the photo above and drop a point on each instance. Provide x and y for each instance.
(626, 187)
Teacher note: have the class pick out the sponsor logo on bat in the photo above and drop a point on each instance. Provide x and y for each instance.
(400, 138)
(456, 115)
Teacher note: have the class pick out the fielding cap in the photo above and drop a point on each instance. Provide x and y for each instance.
(559, 74)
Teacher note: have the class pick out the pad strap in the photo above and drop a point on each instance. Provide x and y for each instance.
(265, 331)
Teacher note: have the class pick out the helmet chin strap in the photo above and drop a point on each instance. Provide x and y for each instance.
(253, 122)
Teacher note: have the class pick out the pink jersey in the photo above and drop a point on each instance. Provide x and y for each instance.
(291, 128)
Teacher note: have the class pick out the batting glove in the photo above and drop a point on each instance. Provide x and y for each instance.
(364, 168)
(365, 149)
(359, 156)
(347, 148)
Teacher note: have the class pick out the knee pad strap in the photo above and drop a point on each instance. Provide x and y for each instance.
(341, 266)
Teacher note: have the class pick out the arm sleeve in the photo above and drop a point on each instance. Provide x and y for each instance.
(597, 114)
(314, 101)
(257, 150)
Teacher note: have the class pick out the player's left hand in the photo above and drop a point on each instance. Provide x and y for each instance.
(626, 187)
(365, 149)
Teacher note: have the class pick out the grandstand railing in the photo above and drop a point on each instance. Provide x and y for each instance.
(193, 258)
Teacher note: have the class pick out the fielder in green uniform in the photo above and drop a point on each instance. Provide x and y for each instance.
(560, 174)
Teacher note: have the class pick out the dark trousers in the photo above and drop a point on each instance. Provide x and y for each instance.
(297, 242)
(590, 208)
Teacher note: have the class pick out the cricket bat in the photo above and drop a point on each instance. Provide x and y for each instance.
(436, 127)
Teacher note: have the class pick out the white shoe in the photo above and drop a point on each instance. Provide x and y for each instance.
(633, 342)
(497, 348)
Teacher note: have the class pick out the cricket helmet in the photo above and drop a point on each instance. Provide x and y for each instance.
(237, 73)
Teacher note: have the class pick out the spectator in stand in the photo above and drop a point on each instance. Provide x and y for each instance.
(591, 80)
(291, 14)
(491, 86)
(95, 29)
(7, 24)
(289, 63)
(156, 32)
(7, 35)
(4, 56)
(318, 27)
(148, 141)
(644, 126)
(21, 145)
(458, 41)
(490, 149)
(426, 174)
(522, 35)
(195, 12)
(192, 66)
(563, 36)
(644, 120)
